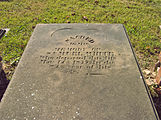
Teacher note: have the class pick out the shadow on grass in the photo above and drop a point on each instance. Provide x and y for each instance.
(3, 83)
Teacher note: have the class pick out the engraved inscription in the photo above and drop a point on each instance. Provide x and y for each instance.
(79, 58)
(79, 40)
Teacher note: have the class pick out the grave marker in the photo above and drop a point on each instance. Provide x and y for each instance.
(78, 72)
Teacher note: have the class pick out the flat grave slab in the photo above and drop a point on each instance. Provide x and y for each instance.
(78, 72)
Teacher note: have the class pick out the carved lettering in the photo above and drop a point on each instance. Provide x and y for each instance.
(79, 58)
(74, 40)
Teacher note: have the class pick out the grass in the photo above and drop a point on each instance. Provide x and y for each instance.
(141, 19)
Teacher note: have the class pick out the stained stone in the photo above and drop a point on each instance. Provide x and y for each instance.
(78, 72)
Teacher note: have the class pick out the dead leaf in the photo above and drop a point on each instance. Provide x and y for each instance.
(68, 21)
(96, 1)
(73, 14)
(85, 18)
(67, 16)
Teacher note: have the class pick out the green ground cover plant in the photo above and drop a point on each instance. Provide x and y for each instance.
(141, 19)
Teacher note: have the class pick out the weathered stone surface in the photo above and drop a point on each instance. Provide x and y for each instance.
(78, 72)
